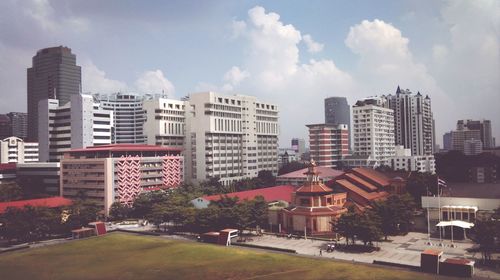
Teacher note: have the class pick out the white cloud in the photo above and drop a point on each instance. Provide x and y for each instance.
(233, 78)
(312, 46)
(95, 80)
(154, 82)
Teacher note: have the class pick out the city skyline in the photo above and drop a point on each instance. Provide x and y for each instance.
(448, 50)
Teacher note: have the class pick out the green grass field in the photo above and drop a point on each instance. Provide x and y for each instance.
(124, 256)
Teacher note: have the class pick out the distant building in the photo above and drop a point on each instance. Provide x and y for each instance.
(483, 174)
(285, 156)
(484, 128)
(120, 172)
(19, 124)
(166, 122)
(128, 116)
(77, 124)
(15, 150)
(460, 136)
(472, 147)
(328, 143)
(338, 111)
(373, 125)
(353, 161)
(230, 137)
(40, 177)
(53, 75)
(403, 160)
(413, 121)
(299, 146)
(447, 141)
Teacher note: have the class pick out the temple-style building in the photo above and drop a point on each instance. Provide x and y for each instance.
(314, 207)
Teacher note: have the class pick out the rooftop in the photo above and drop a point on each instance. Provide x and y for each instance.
(323, 172)
(51, 202)
(372, 175)
(126, 148)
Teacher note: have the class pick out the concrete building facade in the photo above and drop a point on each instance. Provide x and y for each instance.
(404, 160)
(484, 128)
(338, 111)
(373, 125)
(120, 172)
(328, 143)
(231, 137)
(413, 121)
(166, 122)
(40, 177)
(15, 150)
(77, 124)
(128, 116)
(53, 75)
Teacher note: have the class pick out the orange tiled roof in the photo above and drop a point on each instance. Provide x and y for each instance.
(361, 181)
(373, 175)
(315, 187)
(371, 196)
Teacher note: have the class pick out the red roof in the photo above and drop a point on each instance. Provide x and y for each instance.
(8, 166)
(459, 261)
(313, 188)
(126, 148)
(432, 252)
(369, 196)
(373, 175)
(51, 202)
(269, 194)
(323, 172)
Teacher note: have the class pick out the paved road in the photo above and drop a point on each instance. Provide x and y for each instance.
(403, 250)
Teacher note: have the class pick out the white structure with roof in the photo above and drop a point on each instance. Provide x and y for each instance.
(15, 150)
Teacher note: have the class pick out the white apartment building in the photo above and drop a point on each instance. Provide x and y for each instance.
(77, 124)
(15, 150)
(373, 129)
(413, 121)
(128, 116)
(403, 160)
(230, 137)
(166, 123)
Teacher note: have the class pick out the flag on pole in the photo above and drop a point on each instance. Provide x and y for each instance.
(442, 183)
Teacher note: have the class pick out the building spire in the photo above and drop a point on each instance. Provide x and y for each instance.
(398, 90)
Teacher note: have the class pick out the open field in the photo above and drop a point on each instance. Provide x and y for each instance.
(123, 256)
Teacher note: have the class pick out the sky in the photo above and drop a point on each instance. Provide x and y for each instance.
(291, 53)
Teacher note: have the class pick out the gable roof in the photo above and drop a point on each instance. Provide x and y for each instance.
(372, 175)
(313, 188)
(283, 192)
(367, 196)
(51, 202)
(323, 172)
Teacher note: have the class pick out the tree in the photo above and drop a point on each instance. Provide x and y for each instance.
(290, 167)
(266, 178)
(347, 225)
(159, 214)
(395, 214)
(144, 202)
(368, 227)
(258, 212)
(119, 211)
(30, 223)
(421, 184)
(206, 219)
(484, 232)
(10, 191)
(82, 212)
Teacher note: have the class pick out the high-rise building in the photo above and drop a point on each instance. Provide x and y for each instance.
(373, 125)
(484, 128)
(15, 150)
(299, 146)
(77, 124)
(473, 147)
(447, 141)
(5, 126)
(166, 122)
(413, 121)
(19, 124)
(54, 75)
(230, 137)
(128, 116)
(338, 111)
(459, 136)
(328, 143)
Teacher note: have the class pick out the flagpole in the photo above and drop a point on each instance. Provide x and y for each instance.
(439, 212)
(428, 220)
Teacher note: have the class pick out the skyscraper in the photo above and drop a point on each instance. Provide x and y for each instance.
(413, 121)
(484, 128)
(338, 111)
(19, 123)
(53, 75)
(447, 142)
(373, 129)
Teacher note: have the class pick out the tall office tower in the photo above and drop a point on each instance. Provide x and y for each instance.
(413, 121)
(373, 125)
(5, 126)
(79, 123)
(328, 143)
(299, 146)
(231, 137)
(166, 123)
(484, 128)
(338, 111)
(54, 75)
(447, 141)
(129, 116)
(19, 124)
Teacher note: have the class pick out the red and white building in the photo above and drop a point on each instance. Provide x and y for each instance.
(120, 172)
(328, 143)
